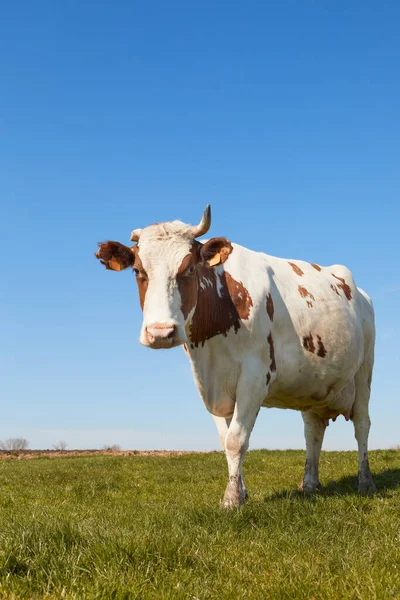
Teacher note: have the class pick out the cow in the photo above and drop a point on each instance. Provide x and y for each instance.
(259, 331)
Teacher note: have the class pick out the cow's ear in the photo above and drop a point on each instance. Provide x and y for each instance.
(115, 256)
(215, 251)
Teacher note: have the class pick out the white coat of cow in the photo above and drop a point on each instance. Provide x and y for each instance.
(258, 331)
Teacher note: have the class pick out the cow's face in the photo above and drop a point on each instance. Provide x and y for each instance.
(169, 266)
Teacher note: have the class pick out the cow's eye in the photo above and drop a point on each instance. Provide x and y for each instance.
(140, 275)
(191, 270)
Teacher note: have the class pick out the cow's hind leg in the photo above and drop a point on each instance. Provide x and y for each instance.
(314, 430)
(362, 425)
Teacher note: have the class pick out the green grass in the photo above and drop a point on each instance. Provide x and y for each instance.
(115, 527)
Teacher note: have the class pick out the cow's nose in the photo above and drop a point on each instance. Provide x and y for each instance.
(160, 333)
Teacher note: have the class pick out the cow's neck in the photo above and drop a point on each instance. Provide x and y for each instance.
(222, 303)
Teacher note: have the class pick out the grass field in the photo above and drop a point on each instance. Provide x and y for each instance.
(121, 527)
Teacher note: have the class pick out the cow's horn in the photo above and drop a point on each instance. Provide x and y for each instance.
(135, 235)
(204, 225)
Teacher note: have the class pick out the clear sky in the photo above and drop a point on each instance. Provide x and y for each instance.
(113, 115)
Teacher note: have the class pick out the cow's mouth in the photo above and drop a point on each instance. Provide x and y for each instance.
(160, 336)
(164, 344)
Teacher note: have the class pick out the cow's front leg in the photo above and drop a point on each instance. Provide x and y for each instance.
(248, 402)
(236, 445)
(223, 426)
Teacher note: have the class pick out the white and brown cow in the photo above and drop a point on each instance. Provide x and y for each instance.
(258, 331)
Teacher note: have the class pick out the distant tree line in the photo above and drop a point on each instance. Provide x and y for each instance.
(14, 444)
(60, 446)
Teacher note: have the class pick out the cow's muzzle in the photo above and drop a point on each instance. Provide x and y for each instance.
(161, 335)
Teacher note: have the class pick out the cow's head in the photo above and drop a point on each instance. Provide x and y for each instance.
(170, 265)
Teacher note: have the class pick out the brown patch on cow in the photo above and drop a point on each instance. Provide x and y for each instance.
(221, 305)
(321, 348)
(188, 290)
(185, 265)
(115, 256)
(270, 307)
(142, 287)
(187, 281)
(296, 269)
(308, 343)
(343, 286)
(240, 296)
(268, 377)
(305, 293)
(316, 267)
(271, 352)
(142, 279)
(334, 288)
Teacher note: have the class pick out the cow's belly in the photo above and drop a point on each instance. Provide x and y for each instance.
(328, 403)
(288, 401)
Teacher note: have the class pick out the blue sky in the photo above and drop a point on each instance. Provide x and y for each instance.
(284, 116)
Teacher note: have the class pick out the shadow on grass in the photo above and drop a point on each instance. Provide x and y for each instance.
(346, 486)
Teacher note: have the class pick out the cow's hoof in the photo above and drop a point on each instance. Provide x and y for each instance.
(228, 504)
(309, 487)
(366, 485)
(234, 499)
